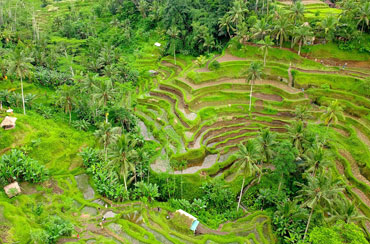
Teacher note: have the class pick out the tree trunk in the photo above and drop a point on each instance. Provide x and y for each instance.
(256, 6)
(264, 58)
(281, 41)
(241, 193)
(308, 224)
(250, 98)
(24, 107)
(124, 180)
(174, 53)
(281, 181)
(299, 49)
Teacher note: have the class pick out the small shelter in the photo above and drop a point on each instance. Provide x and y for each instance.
(189, 220)
(12, 190)
(8, 123)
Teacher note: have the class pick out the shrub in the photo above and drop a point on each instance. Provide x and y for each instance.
(51, 78)
(16, 166)
(214, 65)
(90, 157)
(149, 191)
(56, 227)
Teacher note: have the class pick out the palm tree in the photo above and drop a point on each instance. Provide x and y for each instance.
(319, 191)
(237, 12)
(266, 44)
(316, 158)
(173, 32)
(265, 142)
(247, 157)
(296, 132)
(122, 156)
(225, 23)
(254, 73)
(104, 92)
(260, 29)
(300, 36)
(332, 114)
(281, 29)
(107, 135)
(364, 15)
(329, 25)
(65, 99)
(297, 11)
(209, 42)
(346, 211)
(301, 113)
(20, 64)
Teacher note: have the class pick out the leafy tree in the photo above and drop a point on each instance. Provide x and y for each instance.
(320, 191)
(329, 24)
(260, 29)
(364, 15)
(254, 73)
(301, 113)
(297, 10)
(247, 157)
(296, 132)
(104, 92)
(266, 44)
(123, 156)
(237, 12)
(20, 65)
(225, 23)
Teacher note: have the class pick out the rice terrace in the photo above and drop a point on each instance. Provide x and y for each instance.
(185, 121)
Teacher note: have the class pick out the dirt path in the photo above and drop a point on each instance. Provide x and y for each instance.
(305, 2)
(362, 137)
(227, 57)
(354, 167)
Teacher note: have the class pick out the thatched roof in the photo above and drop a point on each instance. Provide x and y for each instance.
(8, 123)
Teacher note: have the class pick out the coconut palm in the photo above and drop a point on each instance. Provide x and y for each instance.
(329, 25)
(346, 211)
(281, 29)
(122, 156)
(247, 157)
(332, 114)
(20, 65)
(173, 32)
(364, 15)
(300, 35)
(301, 113)
(297, 10)
(316, 158)
(106, 135)
(265, 142)
(66, 96)
(253, 73)
(320, 191)
(225, 23)
(296, 132)
(260, 29)
(237, 12)
(266, 44)
(104, 92)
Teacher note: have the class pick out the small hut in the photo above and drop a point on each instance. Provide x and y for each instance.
(12, 190)
(189, 220)
(8, 123)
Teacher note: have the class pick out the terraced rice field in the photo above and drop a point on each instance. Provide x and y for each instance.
(206, 112)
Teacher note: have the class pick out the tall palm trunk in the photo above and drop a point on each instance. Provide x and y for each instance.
(241, 193)
(300, 47)
(24, 107)
(264, 58)
(124, 180)
(308, 223)
(174, 52)
(250, 97)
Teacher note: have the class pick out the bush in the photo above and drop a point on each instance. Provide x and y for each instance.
(214, 65)
(56, 227)
(146, 190)
(51, 78)
(16, 166)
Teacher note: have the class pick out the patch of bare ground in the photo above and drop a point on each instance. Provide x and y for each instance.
(228, 57)
(342, 132)
(361, 195)
(54, 186)
(354, 167)
(305, 2)
(362, 137)
(265, 96)
(339, 167)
